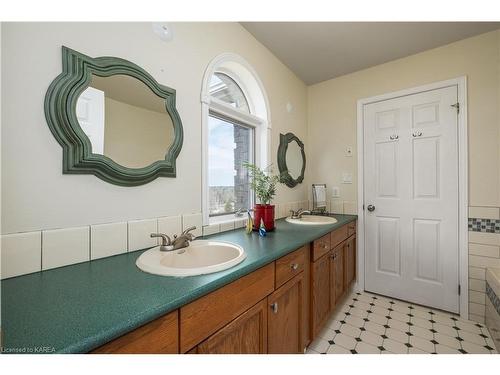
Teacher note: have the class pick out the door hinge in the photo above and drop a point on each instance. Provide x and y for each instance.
(459, 289)
(457, 106)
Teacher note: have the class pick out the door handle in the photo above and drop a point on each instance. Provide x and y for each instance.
(274, 306)
(371, 208)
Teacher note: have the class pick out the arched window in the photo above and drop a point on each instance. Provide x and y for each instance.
(235, 130)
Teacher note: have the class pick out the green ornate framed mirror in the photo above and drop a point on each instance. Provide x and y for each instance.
(291, 159)
(113, 120)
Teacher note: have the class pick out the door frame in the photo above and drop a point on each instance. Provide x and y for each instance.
(463, 230)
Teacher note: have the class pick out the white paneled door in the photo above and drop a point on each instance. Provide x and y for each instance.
(411, 198)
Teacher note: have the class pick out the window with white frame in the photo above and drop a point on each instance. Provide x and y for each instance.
(235, 131)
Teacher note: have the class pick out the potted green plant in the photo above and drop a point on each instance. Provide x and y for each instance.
(263, 183)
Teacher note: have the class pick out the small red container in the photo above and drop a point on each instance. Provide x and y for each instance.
(263, 212)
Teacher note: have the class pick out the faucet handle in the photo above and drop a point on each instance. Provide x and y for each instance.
(189, 230)
(165, 240)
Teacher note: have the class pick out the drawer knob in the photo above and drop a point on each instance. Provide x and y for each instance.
(274, 306)
(325, 246)
(294, 266)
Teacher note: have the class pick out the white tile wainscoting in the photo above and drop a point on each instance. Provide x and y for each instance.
(484, 251)
(28, 252)
(23, 253)
(367, 323)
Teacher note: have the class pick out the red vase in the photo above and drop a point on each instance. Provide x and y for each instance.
(264, 212)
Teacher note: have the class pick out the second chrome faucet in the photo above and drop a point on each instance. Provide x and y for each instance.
(179, 242)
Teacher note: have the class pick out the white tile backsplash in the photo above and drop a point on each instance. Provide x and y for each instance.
(283, 210)
(350, 208)
(477, 285)
(477, 273)
(337, 206)
(483, 262)
(240, 223)
(108, 239)
(211, 229)
(476, 308)
(484, 212)
(139, 234)
(191, 220)
(21, 253)
(484, 250)
(484, 238)
(30, 252)
(227, 226)
(477, 297)
(61, 247)
(170, 225)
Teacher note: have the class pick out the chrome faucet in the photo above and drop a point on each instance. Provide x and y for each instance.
(178, 243)
(298, 214)
(166, 242)
(184, 239)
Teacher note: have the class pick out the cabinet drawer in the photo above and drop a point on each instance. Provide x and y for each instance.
(161, 336)
(321, 246)
(337, 236)
(289, 266)
(351, 228)
(206, 315)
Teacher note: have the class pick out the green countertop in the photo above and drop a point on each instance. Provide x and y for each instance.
(77, 308)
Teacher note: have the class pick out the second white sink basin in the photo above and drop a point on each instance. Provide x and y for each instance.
(199, 258)
(312, 220)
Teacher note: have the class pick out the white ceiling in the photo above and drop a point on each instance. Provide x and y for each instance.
(317, 51)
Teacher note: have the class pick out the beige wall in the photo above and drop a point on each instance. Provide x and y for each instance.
(332, 112)
(36, 195)
(133, 136)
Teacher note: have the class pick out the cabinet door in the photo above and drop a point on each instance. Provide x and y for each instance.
(247, 334)
(339, 272)
(285, 326)
(320, 293)
(350, 261)
(333, 279)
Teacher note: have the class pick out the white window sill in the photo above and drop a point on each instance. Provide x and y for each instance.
(225, 219)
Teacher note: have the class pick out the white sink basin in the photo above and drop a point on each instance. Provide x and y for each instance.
(199, 258)
(312, 220)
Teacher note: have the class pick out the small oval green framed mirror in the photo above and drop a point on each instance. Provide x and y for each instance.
(113, 120)
(291, 159)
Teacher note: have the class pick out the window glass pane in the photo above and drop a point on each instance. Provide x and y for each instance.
(226, 89)
(229, 145)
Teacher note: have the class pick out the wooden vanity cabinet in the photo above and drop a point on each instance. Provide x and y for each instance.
(273, 325)
(205, 316)
(279, 308)
(332, 273)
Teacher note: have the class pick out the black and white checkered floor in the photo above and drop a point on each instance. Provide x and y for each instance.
(371, 324)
